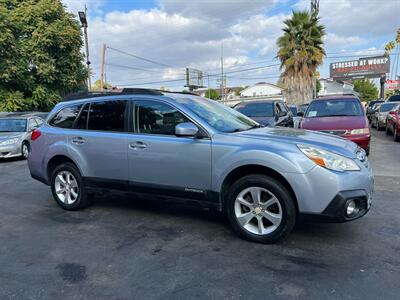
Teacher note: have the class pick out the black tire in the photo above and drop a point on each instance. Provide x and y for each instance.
(387, 129)
(82, 200)
(367, 150)
(286, 201)
(396, 136)
(25, 154)
(378, 127)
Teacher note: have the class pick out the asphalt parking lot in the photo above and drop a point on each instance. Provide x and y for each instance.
(124, 248)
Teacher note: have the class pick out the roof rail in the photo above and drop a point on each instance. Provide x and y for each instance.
(113, 92)
(124, 91)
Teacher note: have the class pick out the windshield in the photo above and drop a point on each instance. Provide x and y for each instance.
(12, 125)
(386, 107)
(256, 109)
(217, 115)
(304, 107)
(332, 108)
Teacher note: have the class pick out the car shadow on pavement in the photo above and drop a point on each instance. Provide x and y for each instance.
(12, 159)
(165, 209)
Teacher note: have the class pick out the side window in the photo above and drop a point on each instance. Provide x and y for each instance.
(32, 124)
(277, 109)
(107, 116)
(282, 107)
(81, 122)
(39, 122)
(66, 117)
(153, 117)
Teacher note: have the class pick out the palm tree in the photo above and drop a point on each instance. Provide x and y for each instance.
(300, 52)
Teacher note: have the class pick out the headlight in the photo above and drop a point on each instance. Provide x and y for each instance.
(360, 131)
(9, 142)
(328, 159)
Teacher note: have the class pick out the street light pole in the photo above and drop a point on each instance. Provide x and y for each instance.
(82, 18)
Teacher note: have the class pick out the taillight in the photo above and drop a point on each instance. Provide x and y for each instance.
(35, 135)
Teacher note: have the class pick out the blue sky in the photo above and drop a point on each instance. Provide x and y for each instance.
(181, 34)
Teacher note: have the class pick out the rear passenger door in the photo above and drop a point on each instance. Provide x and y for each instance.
(98, 140)
(161, 162)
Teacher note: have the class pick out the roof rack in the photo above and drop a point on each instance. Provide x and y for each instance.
(124, 91)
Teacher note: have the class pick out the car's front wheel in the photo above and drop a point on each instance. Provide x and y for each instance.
(260, 209)
(68, 188)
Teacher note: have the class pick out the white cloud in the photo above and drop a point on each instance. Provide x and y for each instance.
(191, 32)
(333, 40)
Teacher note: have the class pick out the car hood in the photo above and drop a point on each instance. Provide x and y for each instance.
(10, 135)
(299, 136)
(334, 123)
(266, 121)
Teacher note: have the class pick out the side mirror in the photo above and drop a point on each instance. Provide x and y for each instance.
(300, 114)
(187, 129)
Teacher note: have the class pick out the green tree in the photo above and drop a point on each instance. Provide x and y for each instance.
(300, 52)
(40, 54)
(211, 94)
(96, 87)
(366, 88)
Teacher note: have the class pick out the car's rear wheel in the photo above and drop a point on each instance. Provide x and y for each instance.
(68, 188)
(396, 136)
(25, 150)
(388, 132)
(260, 209)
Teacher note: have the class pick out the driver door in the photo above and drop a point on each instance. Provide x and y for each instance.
(161, 162)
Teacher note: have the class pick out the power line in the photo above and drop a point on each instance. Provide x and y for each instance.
(132, 68)
(139, 57)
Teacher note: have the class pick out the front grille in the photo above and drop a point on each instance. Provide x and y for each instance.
(335, 132)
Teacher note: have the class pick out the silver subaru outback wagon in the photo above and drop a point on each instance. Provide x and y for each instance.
(182, 146)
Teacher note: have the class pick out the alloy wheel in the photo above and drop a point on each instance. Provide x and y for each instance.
(258, 210)
(25, 151)
(66, 187)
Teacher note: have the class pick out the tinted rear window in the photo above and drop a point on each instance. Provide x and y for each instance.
(385, 107)
(337, 107)
(65, 118)
(107, 116)
(394, 98)
(260, 109)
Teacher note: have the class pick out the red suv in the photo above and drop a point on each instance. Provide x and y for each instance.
(393, 123)
(339, 115)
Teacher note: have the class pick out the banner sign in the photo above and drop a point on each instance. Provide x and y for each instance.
(393, 84)
(363, 67)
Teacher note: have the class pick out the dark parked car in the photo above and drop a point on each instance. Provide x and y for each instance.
(267, 112)
(370, 108)
(393, 123)
(339, 115)
(394, 98)
(379, 118)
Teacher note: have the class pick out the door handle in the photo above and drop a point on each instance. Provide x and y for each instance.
(78, 140)
(137, 145)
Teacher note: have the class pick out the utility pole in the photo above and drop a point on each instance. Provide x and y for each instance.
(103, 62)
(83, 19)
(222, 74)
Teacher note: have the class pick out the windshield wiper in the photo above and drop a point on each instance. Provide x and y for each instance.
(252, 127)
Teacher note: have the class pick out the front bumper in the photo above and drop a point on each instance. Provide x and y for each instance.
(335, 212)
(9, 151)
(361, 140)
(322, 194)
